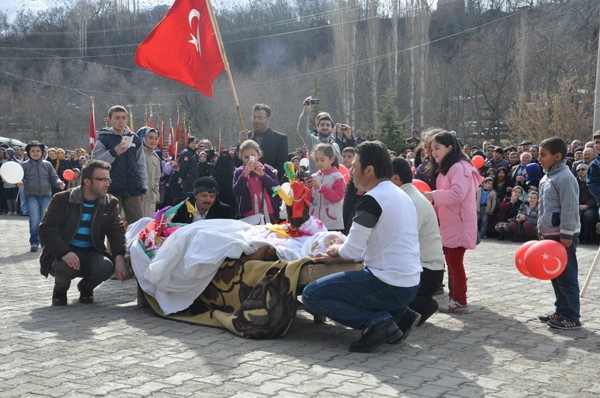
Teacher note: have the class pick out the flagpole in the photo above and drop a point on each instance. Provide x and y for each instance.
(213, 19)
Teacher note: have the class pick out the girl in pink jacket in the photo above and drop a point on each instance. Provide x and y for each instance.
(456, 207)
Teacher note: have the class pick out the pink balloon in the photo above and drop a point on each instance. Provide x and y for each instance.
(421, 185)
(68, 174)
(344, 170)
(478, 161)
(520, 258)
(546, 259)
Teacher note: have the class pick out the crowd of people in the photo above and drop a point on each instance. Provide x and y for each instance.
(521, 192)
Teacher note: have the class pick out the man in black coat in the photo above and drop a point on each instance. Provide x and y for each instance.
(188, 166)
(206, 204)
(273, 144)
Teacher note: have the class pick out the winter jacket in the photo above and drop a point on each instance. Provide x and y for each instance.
(327, 202)
(153, 172)
(39, 177)
(240, 188)
(188, 169)
(128, 172)
(490, 204)
(559, 203)
(456, 206)
(60, 223)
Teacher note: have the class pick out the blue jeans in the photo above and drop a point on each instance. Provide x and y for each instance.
(483, 218)
(357, 298)
(566, 286)
(37, 205)
(23, 201)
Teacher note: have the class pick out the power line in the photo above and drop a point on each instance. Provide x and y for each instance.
(320, 72)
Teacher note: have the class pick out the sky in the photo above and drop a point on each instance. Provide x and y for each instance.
(10, 7)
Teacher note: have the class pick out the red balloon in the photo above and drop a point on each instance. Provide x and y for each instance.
(546, 259)
(478, 161)
(344, 170)
(421, 185)
(68, 174)
(520, 258)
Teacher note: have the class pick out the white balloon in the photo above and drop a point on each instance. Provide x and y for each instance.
(11, 172)
(304, 162)
(286, 187)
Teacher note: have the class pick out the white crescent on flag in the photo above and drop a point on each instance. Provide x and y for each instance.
(195, 39)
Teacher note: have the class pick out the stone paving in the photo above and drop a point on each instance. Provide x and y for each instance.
(113, 348)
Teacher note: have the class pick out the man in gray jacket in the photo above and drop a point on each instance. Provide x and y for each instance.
(39, 176)
(323, 133)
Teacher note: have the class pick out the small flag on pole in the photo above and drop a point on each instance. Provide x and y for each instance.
(131, 125)
(92, 128)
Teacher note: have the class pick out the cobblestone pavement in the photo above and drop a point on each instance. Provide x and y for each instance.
(116, 349)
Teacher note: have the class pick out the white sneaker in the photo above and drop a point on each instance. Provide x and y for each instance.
(455, 308)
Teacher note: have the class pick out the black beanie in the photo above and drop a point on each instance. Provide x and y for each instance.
(206, 184)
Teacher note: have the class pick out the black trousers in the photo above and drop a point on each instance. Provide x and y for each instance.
(431, 281)
(94, 269)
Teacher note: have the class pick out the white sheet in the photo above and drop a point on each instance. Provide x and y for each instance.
(188, 260)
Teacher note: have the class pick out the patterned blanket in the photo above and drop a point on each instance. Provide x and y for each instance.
(252, 299)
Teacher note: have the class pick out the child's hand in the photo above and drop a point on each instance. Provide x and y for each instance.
(259, 169)
(566, 242)
(247, 169)
(315, 183)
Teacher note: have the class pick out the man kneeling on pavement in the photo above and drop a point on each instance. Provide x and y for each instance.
(73, 232)
(384, 234)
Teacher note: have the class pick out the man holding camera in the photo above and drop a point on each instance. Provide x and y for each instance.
(123, 150)
(323, 133)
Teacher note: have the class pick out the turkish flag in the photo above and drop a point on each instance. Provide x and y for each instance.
(183, 47)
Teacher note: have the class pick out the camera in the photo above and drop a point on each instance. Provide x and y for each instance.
(314, 101)
(344, 127)
(252, 158)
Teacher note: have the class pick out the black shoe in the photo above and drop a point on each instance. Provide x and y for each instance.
(407, 324)
(59, 298)
(86, 296)
(376, 335)
(33, 248)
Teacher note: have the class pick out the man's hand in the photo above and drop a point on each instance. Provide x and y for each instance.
(583, 207)
(61, 185)
(120, 149)
(566, 242)
(142, 197)
(121, 268)
(346, 130)
(72, 260)
(19, 184)
(243, 135)
(306, 103)
(332, 256)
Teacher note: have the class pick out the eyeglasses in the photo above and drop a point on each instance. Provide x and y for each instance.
(102, 179)
(258, 118)
(581, 169)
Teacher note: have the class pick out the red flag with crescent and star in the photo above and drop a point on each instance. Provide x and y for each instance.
(183, 47)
